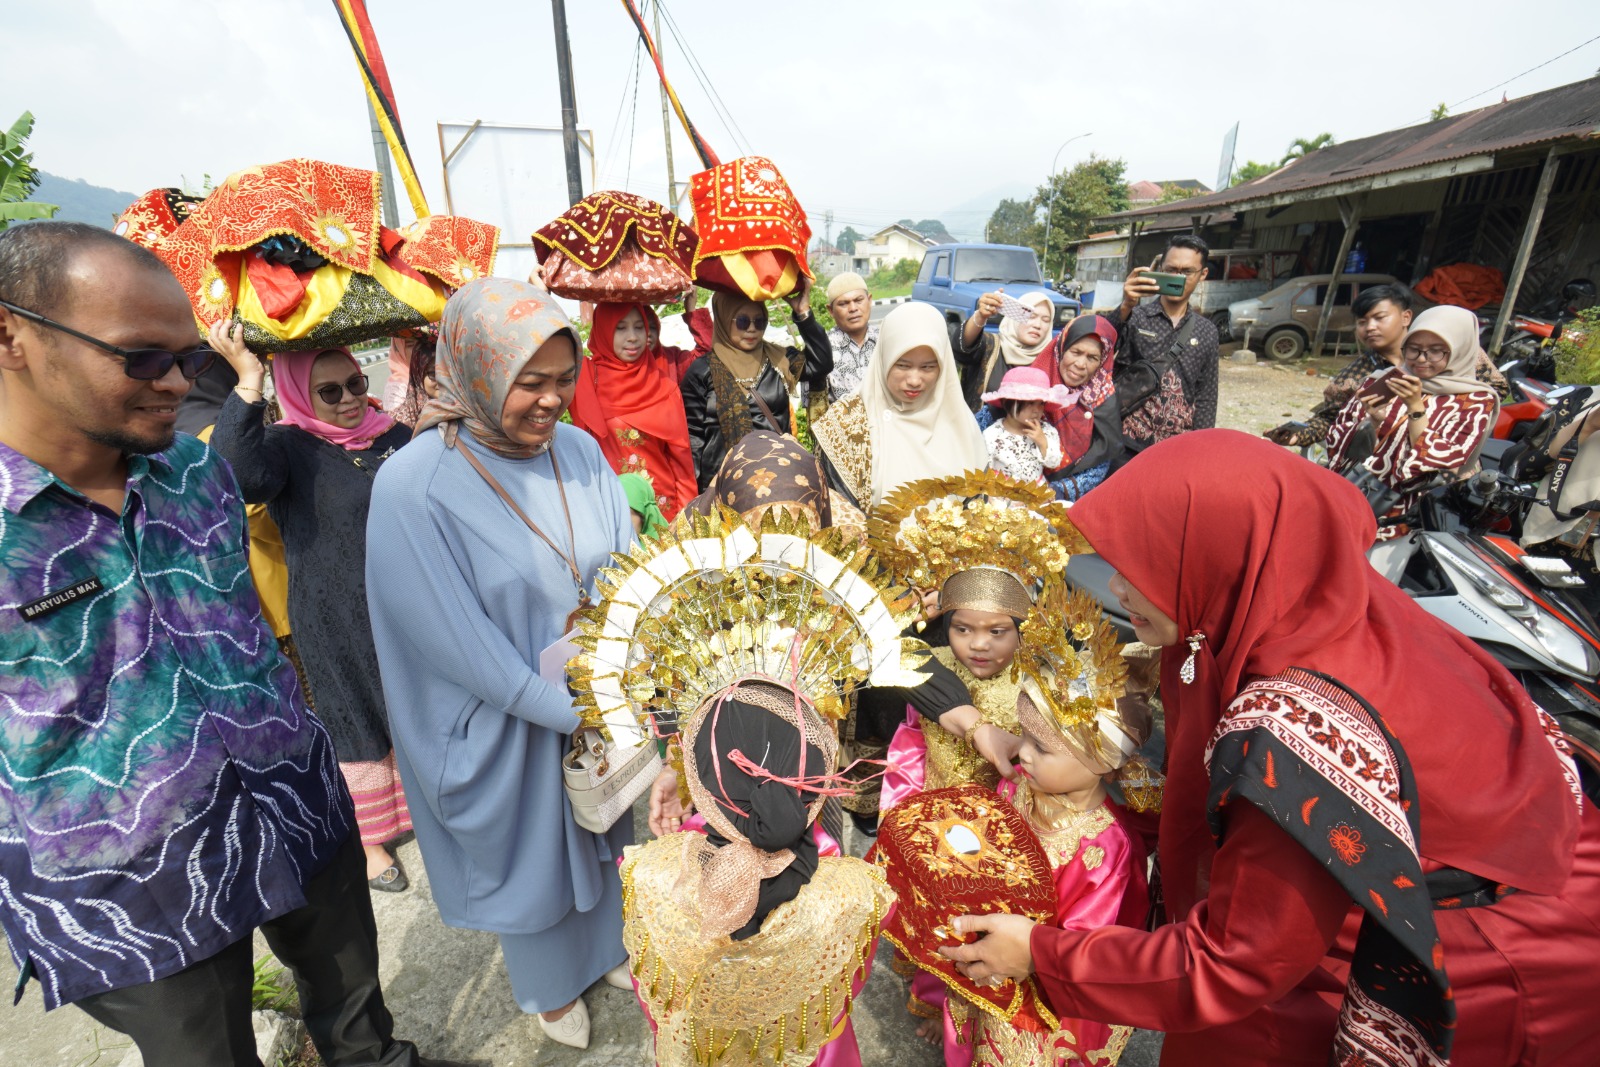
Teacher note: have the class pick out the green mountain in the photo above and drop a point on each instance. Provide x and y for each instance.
(81, 202)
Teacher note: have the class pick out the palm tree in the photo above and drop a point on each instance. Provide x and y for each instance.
(18, 179)
(1299, 148)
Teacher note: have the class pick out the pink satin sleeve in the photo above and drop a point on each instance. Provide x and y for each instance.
(908, 763)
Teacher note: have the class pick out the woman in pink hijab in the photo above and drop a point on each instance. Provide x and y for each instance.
(314, 469)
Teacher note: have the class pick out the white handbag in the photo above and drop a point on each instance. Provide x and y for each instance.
(604, 779)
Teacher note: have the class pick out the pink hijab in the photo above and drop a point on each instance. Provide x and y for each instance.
(291, 373)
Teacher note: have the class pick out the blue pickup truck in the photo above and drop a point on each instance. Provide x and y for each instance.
(954, 276)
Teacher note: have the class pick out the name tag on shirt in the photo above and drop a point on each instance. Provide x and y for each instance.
(38, 609)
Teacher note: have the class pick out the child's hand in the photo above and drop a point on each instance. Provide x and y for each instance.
(998, 747)
(1035, 431)
(666, 810)
(1004, 951)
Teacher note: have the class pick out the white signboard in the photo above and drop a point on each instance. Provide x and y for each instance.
(512, 176)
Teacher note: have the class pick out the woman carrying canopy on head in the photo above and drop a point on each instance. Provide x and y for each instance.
(479, 731)
(629, 401)
(1090, 425)
(1431, 414)
(743, 384)
(908, 420)
(1332, 750)
(313, 470)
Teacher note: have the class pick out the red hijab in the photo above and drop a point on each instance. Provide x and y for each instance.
(1265, 554)
(643, 395)
(1077, 432)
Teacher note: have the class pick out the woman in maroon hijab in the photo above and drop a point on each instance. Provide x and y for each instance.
(1373, 845)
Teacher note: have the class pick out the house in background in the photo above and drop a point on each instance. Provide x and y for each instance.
(1141, 193)
(826, 260)
(887, 247)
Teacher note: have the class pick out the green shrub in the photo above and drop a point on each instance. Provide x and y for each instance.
(1578, 350)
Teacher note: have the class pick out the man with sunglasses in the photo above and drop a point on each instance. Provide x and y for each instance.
(163, 788)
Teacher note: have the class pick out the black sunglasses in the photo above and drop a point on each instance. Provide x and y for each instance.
(145, 364)
(332, 393)
(749, 322)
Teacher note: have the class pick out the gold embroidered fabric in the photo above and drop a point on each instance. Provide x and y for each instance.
(772, 999)
(999, 1045)
(846, 439)
(952, 760)
(986, 589)
(1062, 828)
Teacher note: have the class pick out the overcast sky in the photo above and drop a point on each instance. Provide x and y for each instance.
(875, 109)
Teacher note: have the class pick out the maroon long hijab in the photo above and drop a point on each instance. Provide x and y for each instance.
(1264, 553)
(1077, 432)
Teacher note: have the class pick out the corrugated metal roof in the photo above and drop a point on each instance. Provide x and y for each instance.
(1565, 113)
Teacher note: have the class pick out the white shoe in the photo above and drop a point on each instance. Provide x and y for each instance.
(572, 1029)
(619, 977)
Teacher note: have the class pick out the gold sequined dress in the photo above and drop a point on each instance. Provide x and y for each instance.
(771, 999)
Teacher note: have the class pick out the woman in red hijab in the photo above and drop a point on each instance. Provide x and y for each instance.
(628, 400)
(1373, 845)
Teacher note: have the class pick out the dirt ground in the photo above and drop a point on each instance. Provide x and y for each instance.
(1258, 396)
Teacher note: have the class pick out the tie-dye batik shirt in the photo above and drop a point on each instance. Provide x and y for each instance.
(163, 788)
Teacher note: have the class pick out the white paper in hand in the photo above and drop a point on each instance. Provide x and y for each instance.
(553, 660)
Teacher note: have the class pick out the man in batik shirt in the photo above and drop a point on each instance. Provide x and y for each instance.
(163, 788)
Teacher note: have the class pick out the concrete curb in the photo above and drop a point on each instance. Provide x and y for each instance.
(888, 300)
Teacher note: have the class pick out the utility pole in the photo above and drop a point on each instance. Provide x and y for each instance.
(827, 222)
(569, 103)
(666, 123)
(380, 149)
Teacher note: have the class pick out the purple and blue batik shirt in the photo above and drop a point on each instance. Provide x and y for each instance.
(163, 788)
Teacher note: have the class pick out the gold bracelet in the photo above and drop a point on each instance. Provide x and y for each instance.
(248, 389)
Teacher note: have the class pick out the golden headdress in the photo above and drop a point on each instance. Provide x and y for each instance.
(984, 540)
(712, 615)
(712, 603)
(1074, 677)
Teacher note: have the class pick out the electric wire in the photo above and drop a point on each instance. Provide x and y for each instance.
(632, 121)
(724, 112)
(1525, 73)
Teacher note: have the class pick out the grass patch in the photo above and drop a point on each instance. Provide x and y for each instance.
(271, 990)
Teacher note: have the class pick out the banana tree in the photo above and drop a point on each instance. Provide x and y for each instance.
(18, 179)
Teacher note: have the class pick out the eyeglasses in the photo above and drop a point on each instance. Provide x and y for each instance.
(333, 392)
(749, 322)
(1431, 355)
(1187, 272)
(144, 364)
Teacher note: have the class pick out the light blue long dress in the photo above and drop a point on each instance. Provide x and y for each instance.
(464, 597)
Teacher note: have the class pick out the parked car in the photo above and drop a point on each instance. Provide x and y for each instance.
(953, 276)
(1286, 317)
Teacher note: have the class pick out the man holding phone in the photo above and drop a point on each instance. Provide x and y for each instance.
(1166, 371)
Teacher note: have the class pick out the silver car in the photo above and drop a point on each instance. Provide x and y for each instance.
(1286, 318)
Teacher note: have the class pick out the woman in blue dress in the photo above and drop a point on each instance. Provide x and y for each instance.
(478, 734)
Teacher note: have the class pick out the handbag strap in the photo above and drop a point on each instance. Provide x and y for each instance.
(755, 394)
(569, 559)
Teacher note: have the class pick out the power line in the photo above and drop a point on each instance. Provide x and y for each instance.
(1530, 70)
(633, 117)
(729, 123)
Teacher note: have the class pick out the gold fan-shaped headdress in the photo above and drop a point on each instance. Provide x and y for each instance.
(1073, 676)
(983, 539)
(714, 603)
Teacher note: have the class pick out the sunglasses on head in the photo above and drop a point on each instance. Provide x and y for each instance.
(333, 392)
(145, 364)
(749, 322)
